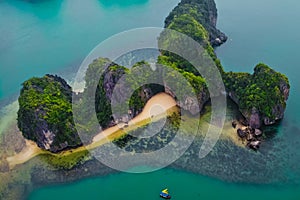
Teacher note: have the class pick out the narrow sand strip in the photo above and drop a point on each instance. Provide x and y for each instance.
(29, 151)
(156, 106)
(155, 109)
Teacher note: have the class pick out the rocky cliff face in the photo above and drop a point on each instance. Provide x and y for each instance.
(117, 81)
(261, 97)
(112, 84)
(45, 114)
(194, 105)
(257, 118)
(106, 87)
(205, 12)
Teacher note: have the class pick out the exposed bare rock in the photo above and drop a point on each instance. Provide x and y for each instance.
(254, 145)
(251, 136)
(254, 119)
(258, 132)
(192, 104)
(241, 133)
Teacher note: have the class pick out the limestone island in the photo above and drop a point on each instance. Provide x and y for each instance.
(45, 114)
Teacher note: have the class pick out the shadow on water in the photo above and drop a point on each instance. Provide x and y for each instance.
(272, 131)
(122, 3)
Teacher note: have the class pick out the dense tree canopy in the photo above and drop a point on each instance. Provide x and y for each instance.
(262, 90)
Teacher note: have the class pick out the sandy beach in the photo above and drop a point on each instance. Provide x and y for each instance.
(158, 105)
(29, 151)
(156, 108)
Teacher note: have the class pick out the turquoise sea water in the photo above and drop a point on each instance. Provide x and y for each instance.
(49, 36)
(181, 185)
(263, 31)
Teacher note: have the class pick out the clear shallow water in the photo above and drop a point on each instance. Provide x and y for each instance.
(39, 37)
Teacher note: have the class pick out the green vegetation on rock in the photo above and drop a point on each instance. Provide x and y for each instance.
(265, 91)
(185, 23)
(204, 12)
(115, 81)
(261, 97)
(45, 113)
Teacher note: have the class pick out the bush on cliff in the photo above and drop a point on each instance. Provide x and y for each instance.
(45, 113)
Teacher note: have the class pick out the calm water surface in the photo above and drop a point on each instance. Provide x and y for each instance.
(52, 36)
(182, 185)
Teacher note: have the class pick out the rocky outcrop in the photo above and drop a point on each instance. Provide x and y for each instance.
(114, 87)
(250, 135)
(256, 118)
(106, 87)
(192, 104)
(253, 118)
(45, 114)
(261, 97)
(206, 15)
